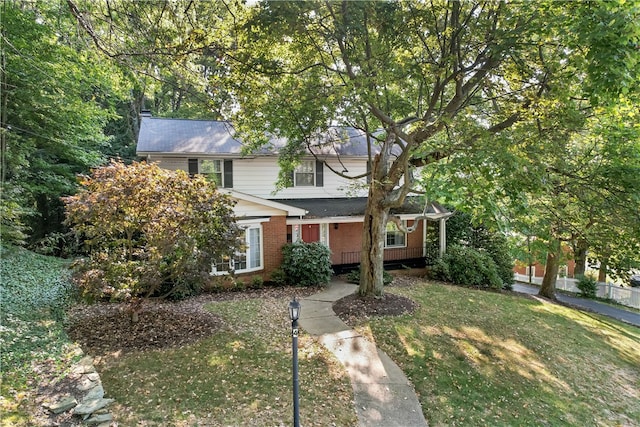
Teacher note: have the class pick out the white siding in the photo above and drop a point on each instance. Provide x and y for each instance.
(244, 208)
(171, 163)
(258, 176)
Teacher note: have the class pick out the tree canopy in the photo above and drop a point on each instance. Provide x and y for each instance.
(433, 81)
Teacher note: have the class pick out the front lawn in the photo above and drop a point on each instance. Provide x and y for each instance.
(475, 357)
(482, 358)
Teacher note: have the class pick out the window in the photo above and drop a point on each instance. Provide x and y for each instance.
(219, 171)
(394, 238)
(249, 258)
(304, 174)
(308, 174)
(213, 169)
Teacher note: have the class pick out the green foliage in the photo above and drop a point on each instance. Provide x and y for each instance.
(150, 231)
(588, 286)
(35, 292)
(53, 114)
(354, 277)
(462, 231)
(256, 282)
(307, 264)
(279, 277)
(13, 230)
(467, 267)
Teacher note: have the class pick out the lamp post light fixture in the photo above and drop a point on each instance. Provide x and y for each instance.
(294, 315)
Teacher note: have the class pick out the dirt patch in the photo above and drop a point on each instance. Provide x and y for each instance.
(354, 307)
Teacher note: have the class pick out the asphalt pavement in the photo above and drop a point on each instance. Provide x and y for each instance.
(614, 312)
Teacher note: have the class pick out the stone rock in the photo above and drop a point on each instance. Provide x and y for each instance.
(99, 419)
(84, 366)
(86, 383)
(94, 376)
(96, 392)
(90, 406)
(62, 405)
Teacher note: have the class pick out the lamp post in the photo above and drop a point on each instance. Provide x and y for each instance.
(294, 315)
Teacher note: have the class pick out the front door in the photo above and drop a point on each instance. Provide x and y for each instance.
(310, 232)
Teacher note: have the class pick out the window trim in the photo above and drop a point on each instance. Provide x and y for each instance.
(317, 174)
(247, 254)
(296, 172)
(397, 231)
(226, 172)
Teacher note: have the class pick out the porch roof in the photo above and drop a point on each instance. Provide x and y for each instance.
(355, 207)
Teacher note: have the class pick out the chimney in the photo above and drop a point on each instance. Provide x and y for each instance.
(145, 113)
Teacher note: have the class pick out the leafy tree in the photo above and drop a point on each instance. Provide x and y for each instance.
(426, 82)
(149, 231)
(56, 97)
(440, 80)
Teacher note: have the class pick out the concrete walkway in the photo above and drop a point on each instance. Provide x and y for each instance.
(383, 395)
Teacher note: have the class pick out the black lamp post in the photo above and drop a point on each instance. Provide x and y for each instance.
(294, 315)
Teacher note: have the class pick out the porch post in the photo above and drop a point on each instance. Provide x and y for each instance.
(443, 236)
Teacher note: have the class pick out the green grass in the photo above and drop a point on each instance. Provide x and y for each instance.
(481, 358)
(241, 376)
(475, 358)
(35, 290)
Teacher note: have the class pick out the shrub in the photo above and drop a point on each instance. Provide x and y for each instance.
(588, 286)
(462, 231)
(354, 277)
(257, 281)
(150, 231)
(440, 271)
(278, 277)
(307, 264)
(468, 267)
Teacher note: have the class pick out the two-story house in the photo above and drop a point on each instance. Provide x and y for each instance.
(319, 206)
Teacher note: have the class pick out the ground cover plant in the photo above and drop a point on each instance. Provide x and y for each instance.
(482, 358)
(35, 291)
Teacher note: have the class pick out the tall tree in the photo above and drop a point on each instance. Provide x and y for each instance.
(56, 99)
(424, 81)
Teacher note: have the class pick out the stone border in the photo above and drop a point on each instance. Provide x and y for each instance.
(92, 408)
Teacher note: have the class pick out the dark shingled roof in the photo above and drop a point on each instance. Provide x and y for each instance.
(182, 136)
(355, 206)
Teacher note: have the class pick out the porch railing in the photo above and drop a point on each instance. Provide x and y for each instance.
(395, 254)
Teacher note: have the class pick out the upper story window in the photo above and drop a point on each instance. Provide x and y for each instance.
(305, 174)
(395, 238)
(218, 170)
(308, 174)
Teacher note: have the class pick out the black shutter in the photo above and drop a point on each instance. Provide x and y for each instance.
(228, 173)
(193, 167)
(292, 182)
(319, 174)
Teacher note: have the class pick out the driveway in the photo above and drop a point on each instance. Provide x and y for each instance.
(627, 316)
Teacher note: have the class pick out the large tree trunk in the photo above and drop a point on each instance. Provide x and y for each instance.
(602, 272)
(548, 288)
(372, 255)
(580, 256)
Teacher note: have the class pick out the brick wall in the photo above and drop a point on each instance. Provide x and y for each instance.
(348, 238)
(274, 236)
